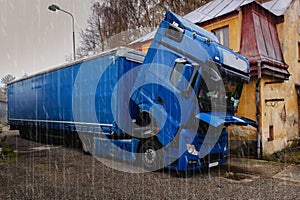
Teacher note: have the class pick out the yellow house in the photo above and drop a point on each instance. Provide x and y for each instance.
(269, 36)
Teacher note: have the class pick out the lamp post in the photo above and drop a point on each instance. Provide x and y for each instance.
(54, 8)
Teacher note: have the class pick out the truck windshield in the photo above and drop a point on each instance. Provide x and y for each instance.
(223, 97)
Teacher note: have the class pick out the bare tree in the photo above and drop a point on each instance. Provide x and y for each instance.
(5, 80)
(114, 23)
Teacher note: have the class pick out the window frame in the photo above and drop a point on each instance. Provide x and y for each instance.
(271, 133)
(298, 51)
(221, 40)
(192, 81)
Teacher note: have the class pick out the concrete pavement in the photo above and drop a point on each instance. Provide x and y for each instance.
(262, 168)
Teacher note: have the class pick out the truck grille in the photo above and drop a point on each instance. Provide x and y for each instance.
(211, 158)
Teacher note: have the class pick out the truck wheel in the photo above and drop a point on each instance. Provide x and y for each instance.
(26, 133)
(184, 174)
(23, 133)
(150, 155)
(32, 133)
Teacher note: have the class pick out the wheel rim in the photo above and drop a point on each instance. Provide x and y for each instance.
(150, 157)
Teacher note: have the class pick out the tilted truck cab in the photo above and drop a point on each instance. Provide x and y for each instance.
(169, 108)
(189, 87)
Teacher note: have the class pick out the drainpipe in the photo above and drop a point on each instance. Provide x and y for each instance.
(258, 114)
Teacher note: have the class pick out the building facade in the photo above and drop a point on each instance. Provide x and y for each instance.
(268, 35)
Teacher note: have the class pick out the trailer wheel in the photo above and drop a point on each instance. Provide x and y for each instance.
(23, 133)
(150, 155)
(27, 133)
(184, 174)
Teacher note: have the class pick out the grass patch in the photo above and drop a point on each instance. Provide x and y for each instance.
(7, 154)
(288, 155)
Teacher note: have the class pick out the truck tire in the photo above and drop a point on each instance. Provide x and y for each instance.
(151, 156)
(23, 133)
(33, 133)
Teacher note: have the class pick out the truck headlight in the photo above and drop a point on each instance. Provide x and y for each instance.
(192, 149)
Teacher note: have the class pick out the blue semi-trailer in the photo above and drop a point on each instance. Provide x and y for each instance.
(70, 98)
(168, 108)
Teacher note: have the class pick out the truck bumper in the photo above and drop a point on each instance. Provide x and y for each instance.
(187, 160)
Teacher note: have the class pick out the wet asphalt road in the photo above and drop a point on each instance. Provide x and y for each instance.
(56, 172)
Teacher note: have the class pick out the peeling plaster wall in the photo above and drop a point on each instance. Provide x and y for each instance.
(283, 115)
(276, 99)
(242, 140)
(285, 127)
(242, 132)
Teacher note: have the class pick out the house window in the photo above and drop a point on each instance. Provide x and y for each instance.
(223, 35)
(298, 51)
(271, 133)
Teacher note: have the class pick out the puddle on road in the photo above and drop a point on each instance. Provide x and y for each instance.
(239, 177)
(46, 147)
(40, 148)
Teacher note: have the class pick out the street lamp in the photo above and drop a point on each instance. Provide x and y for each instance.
(54, 8)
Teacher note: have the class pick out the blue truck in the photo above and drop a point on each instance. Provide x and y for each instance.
(168, 108)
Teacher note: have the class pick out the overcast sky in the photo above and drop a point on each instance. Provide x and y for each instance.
(33, 38)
